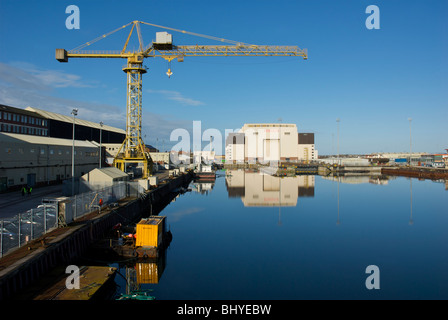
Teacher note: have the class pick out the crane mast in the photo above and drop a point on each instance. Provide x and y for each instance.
(132, 149)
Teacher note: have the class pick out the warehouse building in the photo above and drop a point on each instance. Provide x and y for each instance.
(36, 146)
(105, 176)
(33, 160)
(61, 126)
(15, 120)
(263, 143)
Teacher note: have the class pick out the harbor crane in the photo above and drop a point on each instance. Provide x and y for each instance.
(132, 149)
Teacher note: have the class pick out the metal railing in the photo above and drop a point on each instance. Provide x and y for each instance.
(19, 230)
(87, 202)
(22, 228)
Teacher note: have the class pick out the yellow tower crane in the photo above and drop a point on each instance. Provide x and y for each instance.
(133, 149)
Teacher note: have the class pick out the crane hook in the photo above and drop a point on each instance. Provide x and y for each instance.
(169, 73)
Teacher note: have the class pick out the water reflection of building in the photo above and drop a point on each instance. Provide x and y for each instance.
(257, 189)
(203, 187)
(359, 179)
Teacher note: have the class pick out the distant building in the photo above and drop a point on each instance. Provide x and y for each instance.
(234, 152)
(161, 157)
(61, 126)
(105, 176)
(36, 146)
(267, 142)
(204, 157)
(307, 151)
(15, 120)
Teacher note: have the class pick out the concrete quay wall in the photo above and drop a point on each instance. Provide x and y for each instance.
(62, 246)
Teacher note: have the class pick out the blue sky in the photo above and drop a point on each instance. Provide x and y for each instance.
(373, 80)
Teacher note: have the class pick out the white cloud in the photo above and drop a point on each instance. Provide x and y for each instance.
(177, 96)
(33, 87)
(49, 78)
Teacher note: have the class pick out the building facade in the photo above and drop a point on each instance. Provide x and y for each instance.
(15, 120)
(36, 146)
(61, 126)
(32, 160)
(263, 143)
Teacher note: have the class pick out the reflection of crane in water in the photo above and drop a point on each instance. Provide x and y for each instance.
(338, 222)
(134, 287)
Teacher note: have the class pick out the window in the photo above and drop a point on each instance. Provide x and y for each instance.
(42, 151)
(51, 151)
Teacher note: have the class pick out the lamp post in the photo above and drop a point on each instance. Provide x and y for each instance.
(101, 136)
(74, 113)
(410, 141)
(337, 121)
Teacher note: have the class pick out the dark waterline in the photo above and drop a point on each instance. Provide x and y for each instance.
(313, 242)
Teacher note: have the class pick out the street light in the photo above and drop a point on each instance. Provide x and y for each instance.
(101, 136)
(74, 113)
(337, 121)
(410, 141)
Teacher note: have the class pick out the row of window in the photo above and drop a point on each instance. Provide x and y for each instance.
(22, 118)
(52, 152)
(25, 130)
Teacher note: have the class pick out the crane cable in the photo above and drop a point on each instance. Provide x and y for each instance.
(99, 38)
(162, 27)
(197, 34)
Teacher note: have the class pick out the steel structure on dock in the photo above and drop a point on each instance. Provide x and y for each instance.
(133, 150)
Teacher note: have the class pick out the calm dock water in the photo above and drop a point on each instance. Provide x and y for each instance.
(253, 236)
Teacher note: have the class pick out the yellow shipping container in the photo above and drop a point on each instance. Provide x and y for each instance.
(149, 232)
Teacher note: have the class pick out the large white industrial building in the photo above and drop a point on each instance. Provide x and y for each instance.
(267, 142)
